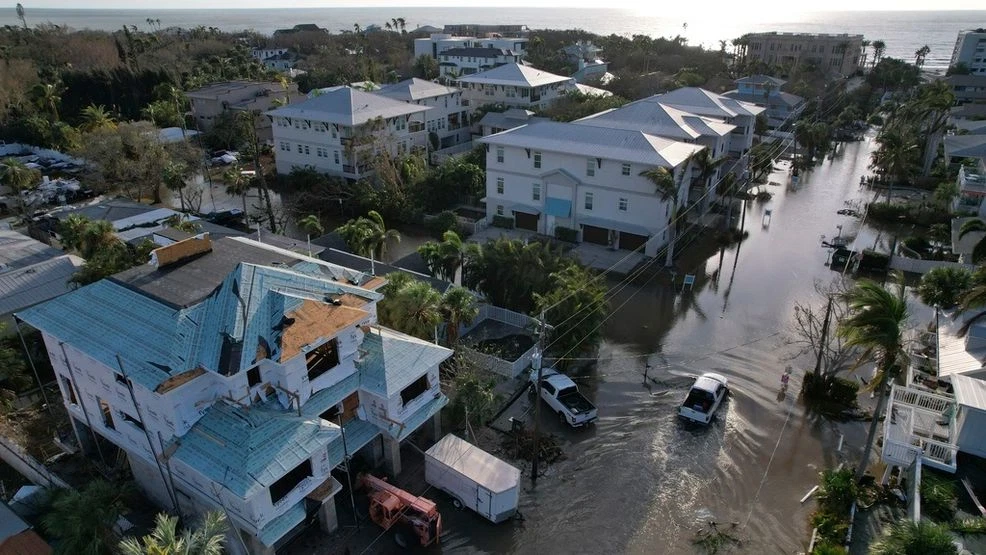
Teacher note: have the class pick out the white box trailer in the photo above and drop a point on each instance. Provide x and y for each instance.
(473, 478)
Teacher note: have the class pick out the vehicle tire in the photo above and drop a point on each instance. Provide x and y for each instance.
(456, 503)
(561, 417)
(405, 536)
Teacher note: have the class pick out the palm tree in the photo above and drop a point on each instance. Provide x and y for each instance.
(897, 155)
(668, 189)
(865, 44)
(98, 236)
(238, 185)
(175, 176)
(71, 230)
(876, 322)
(410, 305)
(920, 54)
(95, 117)
(932, 108)
(48, 96)
(445, 257)
(972, 226)
(368, 236)
(165, 540)
(907, 537)
(83, 520)
(177, 222)
(312, 226)
(20, 15)
(458, 307)
(20, 179)
(879, 47)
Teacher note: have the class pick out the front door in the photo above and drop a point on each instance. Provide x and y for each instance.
(523, 220)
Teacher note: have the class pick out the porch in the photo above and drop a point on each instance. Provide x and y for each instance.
(922, 423)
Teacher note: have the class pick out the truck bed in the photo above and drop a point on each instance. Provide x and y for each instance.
(576, 402)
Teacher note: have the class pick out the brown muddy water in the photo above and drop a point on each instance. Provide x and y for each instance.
(641, 481)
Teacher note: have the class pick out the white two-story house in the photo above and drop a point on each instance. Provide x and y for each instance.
(338, 130)
(437, 43)
(447, 122)
(235, 376)
(701, 102)
(651, 116)
(456, 62)
(548, 175)
(514, 86)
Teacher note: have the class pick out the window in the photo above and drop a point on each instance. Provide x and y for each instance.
(335, 156)
(322, 358)
(499, 154)
(306, 150)
(499, 209)
(70, 391)
(588, 201)
(253, 376)
(626, 169)
(334, 134)
(104, 408)
(545, 385)
(537, 159)
(499, 185)
(282, 487)
(133, 421)
(330, 414)
(590, 167)
(536, 191)
(299, 149)
(623, 204)
(413, 391)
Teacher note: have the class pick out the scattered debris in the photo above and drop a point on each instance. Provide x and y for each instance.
(809, 494)
(712, 539)
(520, 445)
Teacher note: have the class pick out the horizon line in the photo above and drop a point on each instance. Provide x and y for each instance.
(398, 7)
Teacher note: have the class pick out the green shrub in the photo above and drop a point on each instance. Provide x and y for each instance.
(826, 548)
(939, 497)
(914, 214)
(566, 234)
(444, 221)
(829, 393)
(970, 526)
(503, 222)
(917, 244)
(906, 537)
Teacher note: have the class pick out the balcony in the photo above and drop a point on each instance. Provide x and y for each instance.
(972, 182)
(920, 423)
(415, 127)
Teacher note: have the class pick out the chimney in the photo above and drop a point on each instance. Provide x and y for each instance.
(181, 251)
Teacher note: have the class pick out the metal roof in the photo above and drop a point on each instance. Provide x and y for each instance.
(707, 103)
(358, 434)
(324, 399)
(516, 75)
(276, 528)
(788, 99)
(18, 251)
(592, 91)
(401, 431)
(597, 142)
(476, 464)
(969, 391)
(248, 449)
(37, 283)
(514, 117)
(10, 523)
(761, 80)
(965, 146)
(122, 213)
(655, 118)
(347, 106)
(393, 360)
(413, 89)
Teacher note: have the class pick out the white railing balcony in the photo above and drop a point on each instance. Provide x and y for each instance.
(919, 422)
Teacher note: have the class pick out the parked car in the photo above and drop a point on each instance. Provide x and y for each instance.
(563, 396)
(224, 157)
(704, 398)
(473, 478)
(233, 216)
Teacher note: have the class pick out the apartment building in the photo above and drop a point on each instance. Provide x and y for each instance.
(211, 101)
(700, 102)
(837, 55)
(455, 62)
(970, 50)
(765, 91)
(236, 376)
(549, 175)
(338, 130)
(437, 43)
(514, 86)
(447, 122)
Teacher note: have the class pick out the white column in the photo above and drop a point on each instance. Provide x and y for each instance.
(328, 520)
(391, 456)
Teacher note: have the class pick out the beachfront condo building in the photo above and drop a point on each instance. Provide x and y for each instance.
(447, 122)
(836, 55)
(437, 43)
(970, 49)
(765, 91)
(234, 376)
(514, 86)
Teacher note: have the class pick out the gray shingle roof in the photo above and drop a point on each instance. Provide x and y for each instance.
(597, 142)
(516, 75)
(393, 360)
(37, 283)
(347, 106)
(413, 89)
(707, 103)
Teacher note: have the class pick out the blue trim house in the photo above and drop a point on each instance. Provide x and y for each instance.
(236, 376)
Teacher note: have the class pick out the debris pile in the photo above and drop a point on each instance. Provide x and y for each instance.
(519, 444)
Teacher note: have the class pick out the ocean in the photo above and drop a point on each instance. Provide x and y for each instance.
(902, 31)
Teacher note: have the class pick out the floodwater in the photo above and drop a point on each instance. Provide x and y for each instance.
(641, 481)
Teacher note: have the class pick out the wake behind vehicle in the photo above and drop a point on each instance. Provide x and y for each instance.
(564, 398)
(704, 398)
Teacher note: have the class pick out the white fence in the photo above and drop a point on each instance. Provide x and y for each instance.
(508, 368)
(439, 156)
(916, 266)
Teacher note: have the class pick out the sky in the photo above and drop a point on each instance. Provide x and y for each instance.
(641, 5)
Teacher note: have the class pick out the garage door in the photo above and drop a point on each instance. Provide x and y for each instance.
(597, 235)
(631, 241)
(522, 220)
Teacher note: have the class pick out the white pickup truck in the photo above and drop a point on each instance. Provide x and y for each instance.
(562, 395)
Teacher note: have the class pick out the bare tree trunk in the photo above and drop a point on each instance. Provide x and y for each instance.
(871, 436)
(261, 179)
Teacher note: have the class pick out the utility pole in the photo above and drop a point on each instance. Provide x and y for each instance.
(821, 343)
(536, 362)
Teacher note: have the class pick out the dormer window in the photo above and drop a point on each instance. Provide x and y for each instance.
(323, 358)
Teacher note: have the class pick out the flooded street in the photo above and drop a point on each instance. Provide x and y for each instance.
(641, 481)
